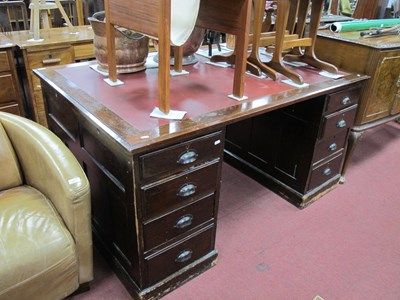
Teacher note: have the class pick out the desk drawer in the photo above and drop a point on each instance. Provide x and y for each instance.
(182, 156)
(179, 190)
(83, 51)
(7, 89)
(326, 171)
(340, 121)
(166, 227)
(4, 64)
(341, 100)
(329, 145)
(47, 58)
(170, 260)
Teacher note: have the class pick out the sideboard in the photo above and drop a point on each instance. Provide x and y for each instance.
(155, 183)
(377, 57)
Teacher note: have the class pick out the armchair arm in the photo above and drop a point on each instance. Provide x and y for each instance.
(50, 167)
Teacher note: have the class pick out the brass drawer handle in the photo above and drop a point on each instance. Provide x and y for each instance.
(49, 61)
(346, 100)
(187, 157)
(185, 255)
(341, 124)
(332, 147)
(327, 171)
(184, 221)
(187, 190)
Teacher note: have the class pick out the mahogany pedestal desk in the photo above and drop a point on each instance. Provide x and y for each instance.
(58, 47)
(155, 183)
(377, 57)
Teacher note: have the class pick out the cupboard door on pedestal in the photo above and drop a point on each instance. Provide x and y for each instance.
(384, 88)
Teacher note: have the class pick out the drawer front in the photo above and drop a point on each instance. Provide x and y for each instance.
(163, 229)
(170, 260)
(326, 171)
(329, 145)
(179, 190)
(4, 64)
(47, 58)
(341, 100)
(340, 121)
(7, 89)
(83, 51)
(12, 109)
(182, 156)
(51, 57)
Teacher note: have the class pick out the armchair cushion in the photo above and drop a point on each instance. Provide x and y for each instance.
(45, 214)
(38, 249)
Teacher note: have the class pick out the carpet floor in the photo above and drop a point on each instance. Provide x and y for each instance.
(344, 246)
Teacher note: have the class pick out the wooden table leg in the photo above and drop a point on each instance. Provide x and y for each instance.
(254, 58)
(276, 62)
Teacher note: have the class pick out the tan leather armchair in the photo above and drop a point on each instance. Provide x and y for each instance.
(45, 218)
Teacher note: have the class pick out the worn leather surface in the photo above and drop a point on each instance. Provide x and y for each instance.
(48, 168)
(38, 255)
(10, 175)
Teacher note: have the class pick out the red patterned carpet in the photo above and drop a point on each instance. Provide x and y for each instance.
(344, 246)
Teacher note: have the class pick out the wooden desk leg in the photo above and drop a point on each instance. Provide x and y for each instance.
(242, 42)
(110, 35)
(354, 137)
(276, 62)
(309, 56)
(79, 12)
(164, 52)
(178, 57)
(254, 58)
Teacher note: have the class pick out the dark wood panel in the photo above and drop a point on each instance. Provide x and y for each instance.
(184, 155)
(170, 260)
(180, 189)
(170, 225)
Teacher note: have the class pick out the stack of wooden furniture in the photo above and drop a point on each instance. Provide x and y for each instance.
(153, 19)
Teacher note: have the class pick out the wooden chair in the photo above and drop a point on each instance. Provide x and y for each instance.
(71, 11)
(91, 7)
(13, 16)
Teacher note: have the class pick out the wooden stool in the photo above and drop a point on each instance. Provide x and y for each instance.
(38, 12)
(288, 34)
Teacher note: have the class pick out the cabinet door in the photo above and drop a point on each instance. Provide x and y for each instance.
(396, 103)
(383, 88)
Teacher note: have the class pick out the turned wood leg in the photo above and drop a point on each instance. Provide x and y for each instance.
(276, 62)
(254, 58)
(354, 137)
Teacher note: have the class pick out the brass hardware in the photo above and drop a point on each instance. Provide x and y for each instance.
(187, 189)
(346, 100)
(341, 124)
(51, 60)
(332, 147)
(327, 171)
(184, 256)
(184, 221)
(187, 157)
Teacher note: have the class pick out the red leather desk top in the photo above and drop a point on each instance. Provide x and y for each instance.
(205, 89)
